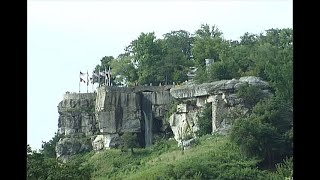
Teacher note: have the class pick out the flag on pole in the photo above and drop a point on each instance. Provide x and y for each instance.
(103, 73)
(94, 77)
(95, 74)
(82, 78)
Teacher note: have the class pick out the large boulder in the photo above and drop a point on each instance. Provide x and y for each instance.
(106, 141)
(66, 147)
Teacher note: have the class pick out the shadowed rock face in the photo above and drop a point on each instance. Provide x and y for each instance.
(118, 112)
(103, 116)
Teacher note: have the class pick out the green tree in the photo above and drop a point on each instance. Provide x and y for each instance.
(208, 44)
(148, 52)
(104, 65)
(124, 71)
(205, 121)
(267, 132)
(130, 141)
(177, 59)
(48, 148)
(41, 167)
(251, 95)
(222, 70)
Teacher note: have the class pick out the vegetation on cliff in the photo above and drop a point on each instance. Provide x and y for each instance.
(260, 145)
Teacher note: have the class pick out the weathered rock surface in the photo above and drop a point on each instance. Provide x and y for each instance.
(106, 141)
(226, 106)
(102, 117)
(67, 147)
(77, 114)
(118, 111)
(217, 87)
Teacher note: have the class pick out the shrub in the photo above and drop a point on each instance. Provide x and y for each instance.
(205, 121)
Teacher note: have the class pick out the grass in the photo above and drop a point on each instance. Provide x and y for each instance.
(214, 157)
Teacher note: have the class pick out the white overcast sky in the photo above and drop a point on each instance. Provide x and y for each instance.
(64, 37)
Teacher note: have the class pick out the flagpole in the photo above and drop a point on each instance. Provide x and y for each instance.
(109, 76)
(87, 81)
(99, 77)
(92, 82)
(105, 75)
(79, 81)
(79, 85)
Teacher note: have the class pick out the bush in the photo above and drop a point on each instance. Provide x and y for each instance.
(205, 121)
(251, 95)
(130, 141)
(266, 133)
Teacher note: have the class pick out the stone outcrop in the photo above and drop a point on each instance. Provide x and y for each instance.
(217, 87)
(105, 141)
(117, 111)
(77, 124)
(222, 96)
(96, 121)
(105, 115)
(76, 114)
(67, 147)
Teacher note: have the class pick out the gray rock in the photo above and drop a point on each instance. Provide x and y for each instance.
(106, 142)
(95, 120)
(66, 147)
(217, 87)
(187, 143)
(255, 81)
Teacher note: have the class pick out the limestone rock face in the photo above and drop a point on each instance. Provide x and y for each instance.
(96, 120)
(104, 115)
(217, 87)
(183, 123)
(77, 114)
(67, 147)
(118, 112)
(226, 106)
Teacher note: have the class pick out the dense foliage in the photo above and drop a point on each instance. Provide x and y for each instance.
(205, 121)
(43, 165)
(130, 141)
(48, 148)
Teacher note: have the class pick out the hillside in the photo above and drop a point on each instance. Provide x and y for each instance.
(212, 157)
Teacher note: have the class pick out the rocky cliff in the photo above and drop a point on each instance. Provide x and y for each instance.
(96, 121)
(220, 94)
